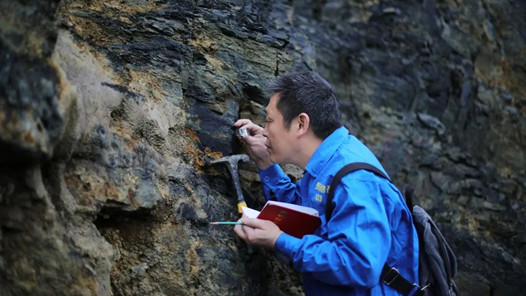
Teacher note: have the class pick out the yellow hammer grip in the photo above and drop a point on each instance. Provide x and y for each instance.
(241, 204)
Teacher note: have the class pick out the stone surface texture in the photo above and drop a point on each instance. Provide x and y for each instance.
(110, 112)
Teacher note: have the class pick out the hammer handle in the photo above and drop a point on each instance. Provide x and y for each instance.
(241, 204)
(235, 177)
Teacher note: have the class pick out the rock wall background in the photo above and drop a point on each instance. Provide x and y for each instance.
(110, 111)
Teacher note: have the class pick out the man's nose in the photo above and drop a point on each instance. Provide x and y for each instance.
(265, 133)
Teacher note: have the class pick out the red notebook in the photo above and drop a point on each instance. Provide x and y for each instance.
(290, 218)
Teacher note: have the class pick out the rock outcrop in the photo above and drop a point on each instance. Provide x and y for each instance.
(111, 110)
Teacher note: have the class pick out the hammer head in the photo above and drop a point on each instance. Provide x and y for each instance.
(232, 160)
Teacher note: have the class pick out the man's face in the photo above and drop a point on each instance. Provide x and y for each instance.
(280, 140)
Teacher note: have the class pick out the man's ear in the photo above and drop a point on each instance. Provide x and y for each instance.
(303, 123)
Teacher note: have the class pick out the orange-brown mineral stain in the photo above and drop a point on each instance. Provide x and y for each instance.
(28, 138)
(197, 154)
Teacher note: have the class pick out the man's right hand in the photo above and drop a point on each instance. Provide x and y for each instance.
(258, 232)
(255, 143)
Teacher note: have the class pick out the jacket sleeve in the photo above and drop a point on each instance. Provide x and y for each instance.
(358, 239)
(276, 181)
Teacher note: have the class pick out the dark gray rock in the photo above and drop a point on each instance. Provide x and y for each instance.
(110, 112)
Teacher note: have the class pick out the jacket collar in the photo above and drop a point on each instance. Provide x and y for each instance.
(326, 149)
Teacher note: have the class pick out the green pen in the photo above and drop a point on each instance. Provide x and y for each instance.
(226, 223)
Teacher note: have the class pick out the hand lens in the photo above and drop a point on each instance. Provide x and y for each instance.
(241, 132)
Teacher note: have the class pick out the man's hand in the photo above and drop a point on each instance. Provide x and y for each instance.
(255, 143)
(258, 232)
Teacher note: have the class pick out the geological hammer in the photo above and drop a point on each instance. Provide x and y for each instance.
(231, 161)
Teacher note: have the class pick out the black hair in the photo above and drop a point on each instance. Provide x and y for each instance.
(308, 92)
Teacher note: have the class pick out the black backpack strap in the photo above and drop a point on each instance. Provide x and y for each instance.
(348, 168)
(390, 276)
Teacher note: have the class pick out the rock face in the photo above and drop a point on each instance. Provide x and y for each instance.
(111, 110)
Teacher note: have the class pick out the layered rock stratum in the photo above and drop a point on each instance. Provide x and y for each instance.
(111, 110)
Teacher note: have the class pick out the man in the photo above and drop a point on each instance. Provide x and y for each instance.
(370, 224)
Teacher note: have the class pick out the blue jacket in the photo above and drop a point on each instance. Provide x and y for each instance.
(370, 224)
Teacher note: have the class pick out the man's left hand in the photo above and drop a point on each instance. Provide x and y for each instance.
(258, 232)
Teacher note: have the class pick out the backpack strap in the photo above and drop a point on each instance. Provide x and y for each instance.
(390, 276)
(348, 168)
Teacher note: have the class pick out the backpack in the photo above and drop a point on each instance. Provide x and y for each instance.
(437, 262)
